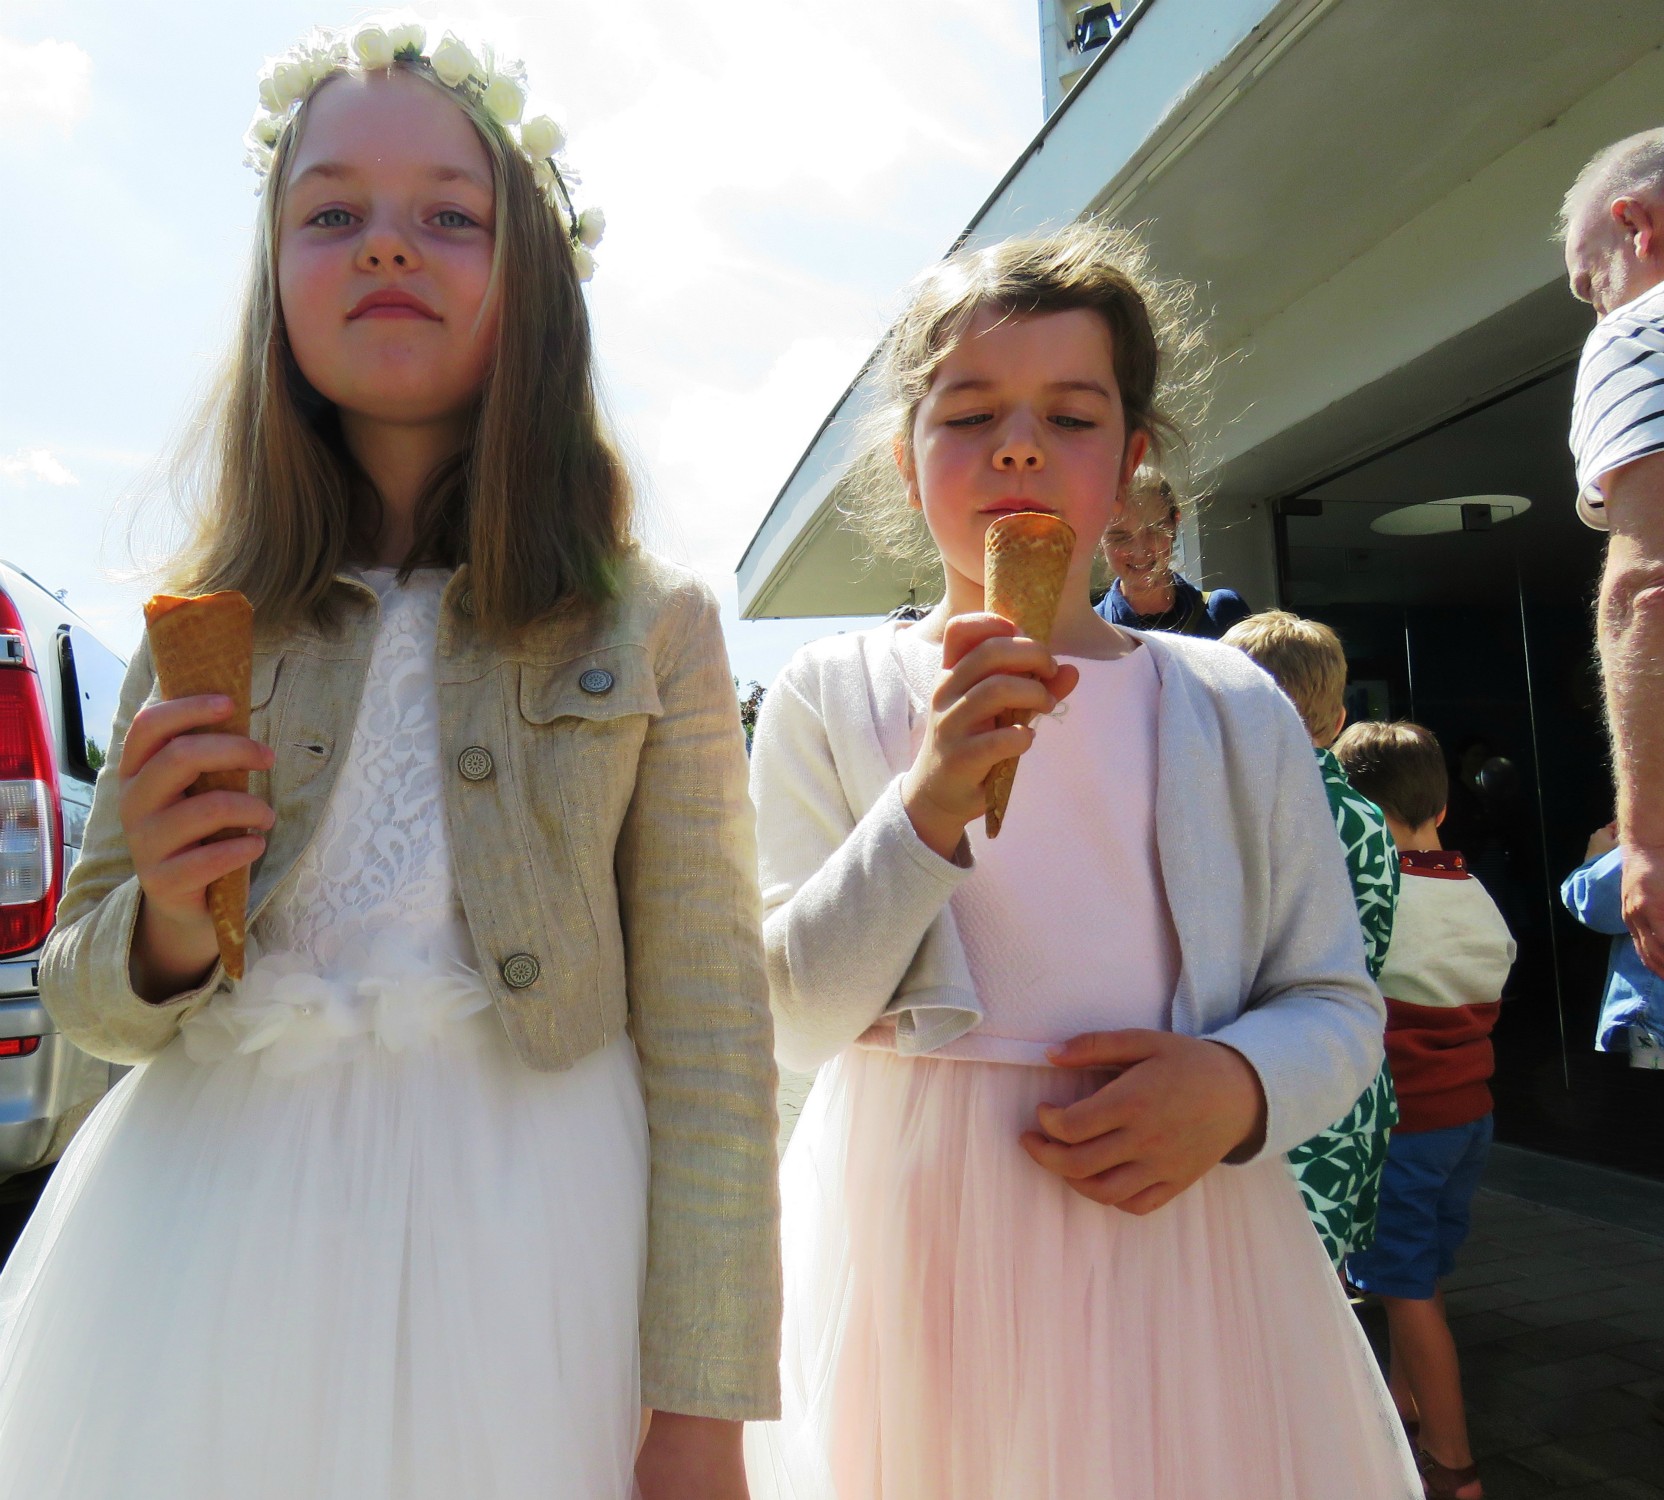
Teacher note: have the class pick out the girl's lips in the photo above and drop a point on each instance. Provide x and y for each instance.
(387, 303)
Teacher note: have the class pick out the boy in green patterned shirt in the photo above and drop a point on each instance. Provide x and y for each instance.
(1339, 1171)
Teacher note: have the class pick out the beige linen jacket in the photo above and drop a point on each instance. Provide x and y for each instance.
(595, 799)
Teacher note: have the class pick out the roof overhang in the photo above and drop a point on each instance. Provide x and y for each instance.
(1366, 196)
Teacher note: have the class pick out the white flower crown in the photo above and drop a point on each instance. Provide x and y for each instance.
(500, 86)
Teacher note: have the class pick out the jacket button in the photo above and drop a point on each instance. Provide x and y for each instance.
(596, 681)
(520, 970)
(475, 763)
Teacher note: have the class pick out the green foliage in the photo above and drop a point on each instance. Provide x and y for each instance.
(751, 703)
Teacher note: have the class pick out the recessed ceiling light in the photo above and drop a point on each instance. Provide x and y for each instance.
(1460, 513)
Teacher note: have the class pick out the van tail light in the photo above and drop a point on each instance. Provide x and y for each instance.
(19, 1046)
(31, 822)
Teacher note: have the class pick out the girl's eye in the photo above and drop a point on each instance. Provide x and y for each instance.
(1073, 423)
(454, 218)
(975, 420)
(331, 218)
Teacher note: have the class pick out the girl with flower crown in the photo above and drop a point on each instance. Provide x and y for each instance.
(472, 1175)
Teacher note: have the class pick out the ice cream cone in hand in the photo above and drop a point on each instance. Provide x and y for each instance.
(1026, 558)
(199, 646)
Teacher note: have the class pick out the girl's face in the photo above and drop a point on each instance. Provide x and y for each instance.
(1139, 545)
(385, 250)
(1024, 414)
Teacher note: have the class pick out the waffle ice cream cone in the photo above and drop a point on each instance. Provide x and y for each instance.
(1026, 558)
(206, 645)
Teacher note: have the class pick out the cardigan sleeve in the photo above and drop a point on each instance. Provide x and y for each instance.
(1314, 1023)
(847, 899)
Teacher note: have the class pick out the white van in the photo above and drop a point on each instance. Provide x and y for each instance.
(59, 686)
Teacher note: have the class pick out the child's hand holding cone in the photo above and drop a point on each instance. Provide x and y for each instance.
(989, 678)
(192, 826)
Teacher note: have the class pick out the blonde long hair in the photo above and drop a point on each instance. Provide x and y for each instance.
(538, 505)
(1161, 363)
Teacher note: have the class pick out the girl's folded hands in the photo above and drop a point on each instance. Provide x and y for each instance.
(1177, 1107)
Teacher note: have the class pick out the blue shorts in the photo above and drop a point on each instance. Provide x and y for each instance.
(1427, 1192)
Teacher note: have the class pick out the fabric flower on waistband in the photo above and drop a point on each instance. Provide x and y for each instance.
(283, 1010)
(292, 1014)
(495, 85)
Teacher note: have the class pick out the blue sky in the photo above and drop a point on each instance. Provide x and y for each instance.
(772, 175)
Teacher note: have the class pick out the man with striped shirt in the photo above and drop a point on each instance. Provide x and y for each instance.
(1613, 221)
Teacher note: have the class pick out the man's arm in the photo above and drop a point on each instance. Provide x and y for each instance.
(1632, 655)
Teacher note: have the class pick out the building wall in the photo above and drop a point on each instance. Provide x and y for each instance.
(1237, 550)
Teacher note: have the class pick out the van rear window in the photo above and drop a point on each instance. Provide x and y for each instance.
(92, 678)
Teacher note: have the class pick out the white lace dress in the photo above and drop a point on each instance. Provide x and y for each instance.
(336, 1241)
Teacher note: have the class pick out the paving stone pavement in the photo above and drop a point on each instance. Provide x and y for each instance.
(1559, 1320)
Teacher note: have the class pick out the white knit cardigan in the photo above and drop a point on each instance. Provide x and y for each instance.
(857, 920)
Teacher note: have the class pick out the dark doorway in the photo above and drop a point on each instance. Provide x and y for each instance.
(1485, 635)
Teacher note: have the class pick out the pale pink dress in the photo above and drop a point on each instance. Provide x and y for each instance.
(960, 1325)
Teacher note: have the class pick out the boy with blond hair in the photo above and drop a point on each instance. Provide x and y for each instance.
(1339, 1171)
(1443, 977)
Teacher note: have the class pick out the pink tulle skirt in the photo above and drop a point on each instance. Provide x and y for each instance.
(960, 1325)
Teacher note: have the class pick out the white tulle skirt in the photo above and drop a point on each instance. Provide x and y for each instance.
(372, 1273)
(960, 1325)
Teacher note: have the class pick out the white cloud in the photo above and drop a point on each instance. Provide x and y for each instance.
(719, 453)
(772, 175)
(691, 123)
(30, 464)
(47, 83)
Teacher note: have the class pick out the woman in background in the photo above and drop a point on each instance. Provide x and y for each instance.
(1147, 594)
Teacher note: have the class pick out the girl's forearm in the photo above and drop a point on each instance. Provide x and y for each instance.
(938, 829)
(169, 958)
(691, 1458)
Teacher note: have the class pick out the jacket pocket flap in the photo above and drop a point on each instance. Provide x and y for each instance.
(263, 680)
(612, 683)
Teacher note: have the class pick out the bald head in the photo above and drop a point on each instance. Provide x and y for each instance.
(1612, 220)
